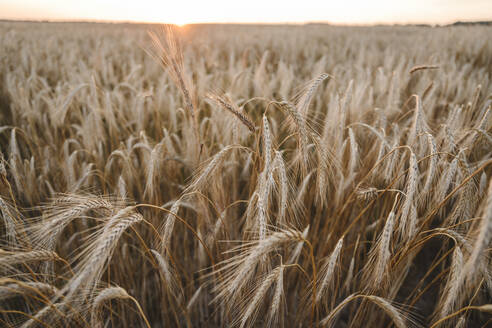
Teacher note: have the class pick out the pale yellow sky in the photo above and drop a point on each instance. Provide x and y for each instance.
(251, 11)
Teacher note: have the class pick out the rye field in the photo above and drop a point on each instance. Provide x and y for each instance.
(245, 176)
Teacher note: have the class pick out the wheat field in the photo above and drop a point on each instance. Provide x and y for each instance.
(245, 176)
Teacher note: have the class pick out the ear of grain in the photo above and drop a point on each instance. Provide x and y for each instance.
(418, 125)
(103, 296)
(267, 143)
(383, 250)
(353, 161)
(27, 288)
(307, 96)
(303, 188)
(166, 230)
(452, 289)
(208, 171)
(193, 299)
(45, 232)
(327, 271)
(299, 246)
(390, 164)
(91, 267)
(253, 307)
(265, 182)
(302, 131)
(167, 273)
(230, 107)
(154, 166)
(241, 268)
(407, 223)
(483, 238)
(391, 311)
(274, 313)
(284, 187)
(350, 275)
(8, 260)
(328, 320)
(9, 221)
(433, 160)
(446, 180)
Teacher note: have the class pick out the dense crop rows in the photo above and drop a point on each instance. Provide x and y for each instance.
(245, 175)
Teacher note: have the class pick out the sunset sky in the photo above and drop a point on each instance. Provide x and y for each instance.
(251, 11)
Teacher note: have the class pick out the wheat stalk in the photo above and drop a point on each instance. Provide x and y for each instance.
(422, 67)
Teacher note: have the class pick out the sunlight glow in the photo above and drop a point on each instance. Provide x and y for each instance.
(251, 11)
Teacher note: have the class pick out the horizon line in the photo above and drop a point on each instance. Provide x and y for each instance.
(299, 23)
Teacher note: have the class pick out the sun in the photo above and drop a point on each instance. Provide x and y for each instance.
(178, 21)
